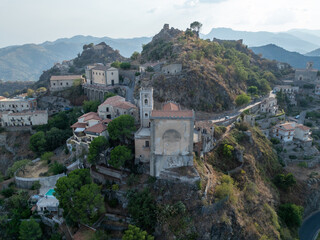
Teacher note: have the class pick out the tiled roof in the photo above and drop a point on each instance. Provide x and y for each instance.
(302, 127)
(100, 68)
(170, 106)
(98, 128)
(65, 77)
(286, 126)
(90, 115)
(107, 120)
(125, 105)
(79, 125)
(113, 100)
(172, 114)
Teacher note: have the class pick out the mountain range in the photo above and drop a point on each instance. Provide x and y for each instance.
(27, 62)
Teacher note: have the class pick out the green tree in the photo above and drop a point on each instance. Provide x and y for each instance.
(57, 168)
(142, 208)
(6, 94)
(242, 99)
(291, 214)
(67, 187)
(38, 142)
(119, 155)
(227, 150)
(125, 65)
(121, 128)
(135, 55)
(17, 165)
(56, 137)
(116, 64)
(253, 90)
(29, 230)
(284, 181)
(96, 147)
(108, 95)
(90, 106)
(47, 156)
(264, 86)
(30, 92)
(135, 233)
(88, 204)
(196, 26)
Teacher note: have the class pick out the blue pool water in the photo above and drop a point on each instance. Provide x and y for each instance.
(50, 192)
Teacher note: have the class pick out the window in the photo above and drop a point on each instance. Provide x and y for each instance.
(146, 115)
(111, 73)
(67, 83)
(54, 84)
(146, 102)
(147, 144)
(107, 109)
(61, 84)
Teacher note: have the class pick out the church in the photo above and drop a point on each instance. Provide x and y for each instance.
(165, 138)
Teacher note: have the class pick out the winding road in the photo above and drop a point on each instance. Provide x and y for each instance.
(310, 227)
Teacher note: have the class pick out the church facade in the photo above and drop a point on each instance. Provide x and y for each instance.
(165, 139)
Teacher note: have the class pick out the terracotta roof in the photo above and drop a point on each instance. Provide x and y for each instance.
(98, 128)
(107, 120)
(65, 77)
(125, 105)
(286, 126)
(90, 115)
(302, 127)
(79, 125)
(172, 114)
(170, 106)
(113, 100)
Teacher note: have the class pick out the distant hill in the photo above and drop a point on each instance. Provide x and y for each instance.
(252, 39)
(295, 59)
(314, 53)
(27, 62)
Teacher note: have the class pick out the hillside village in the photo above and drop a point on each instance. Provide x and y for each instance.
(189, 139)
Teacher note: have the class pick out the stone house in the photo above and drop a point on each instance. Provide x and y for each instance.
(290, 92)
(24, 118)
(203, 137)
(156, 66)
(116, 106)
(88, 127)
(306, 75)
(172, 68)
(284, 132)
(269, 105)
(58, 83)
(166, 139)
(17, 104)
(98, 74)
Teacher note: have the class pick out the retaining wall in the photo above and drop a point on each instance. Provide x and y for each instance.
(27, 183)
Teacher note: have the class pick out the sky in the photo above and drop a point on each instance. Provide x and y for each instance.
(36, 21)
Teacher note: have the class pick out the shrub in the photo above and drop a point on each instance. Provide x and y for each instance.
(303, 164)
(227, 150)
(18, 165)
(8, 192)
(36, 185)
(57, 168)
(291, 214)
(293, 157)
(125, 65)
(242, 99)
(226, 189)
(47, 156)
(115, 187)
(284, 181)
(274, 140)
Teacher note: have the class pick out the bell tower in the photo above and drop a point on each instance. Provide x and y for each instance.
(146, 106)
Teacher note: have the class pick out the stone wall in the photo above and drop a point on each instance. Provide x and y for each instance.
(26, 183)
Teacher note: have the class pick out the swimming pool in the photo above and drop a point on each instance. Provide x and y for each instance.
(50, 192)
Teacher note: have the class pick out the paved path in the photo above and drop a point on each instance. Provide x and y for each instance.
(310, 227)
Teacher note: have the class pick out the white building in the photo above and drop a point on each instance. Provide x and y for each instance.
(58, 83)
(116, 106)
(24, 118)
(317, 89)
(286, 89)
(269, 105)
(98, 74)
(302, 133)
(285, 131)
(17, 104)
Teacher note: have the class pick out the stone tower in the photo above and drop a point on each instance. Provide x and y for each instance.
(309, 65)
(146, 106)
